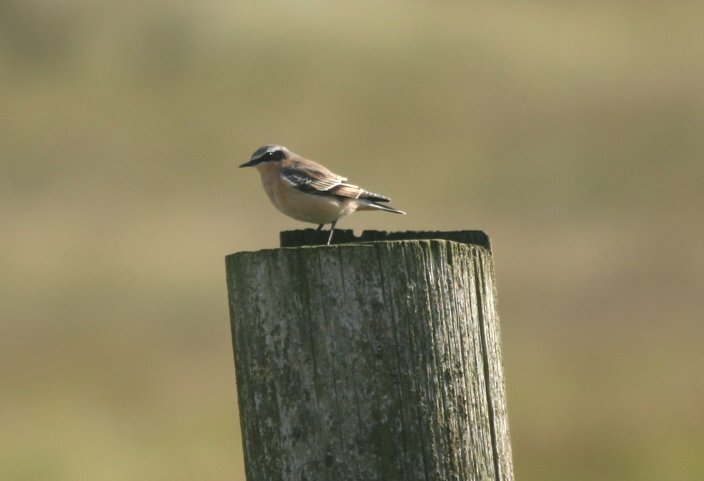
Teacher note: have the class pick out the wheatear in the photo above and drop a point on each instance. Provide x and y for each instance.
(309, 192)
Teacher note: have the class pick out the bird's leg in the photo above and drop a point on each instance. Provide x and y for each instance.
(332, 229)
(319, 227)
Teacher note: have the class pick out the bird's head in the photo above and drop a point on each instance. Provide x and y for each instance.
(267, 154)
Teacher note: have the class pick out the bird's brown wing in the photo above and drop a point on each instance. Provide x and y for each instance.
(313, 178)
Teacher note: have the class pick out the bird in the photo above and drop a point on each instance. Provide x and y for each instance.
(310, 192)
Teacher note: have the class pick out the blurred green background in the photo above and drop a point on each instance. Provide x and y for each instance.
(571, 132)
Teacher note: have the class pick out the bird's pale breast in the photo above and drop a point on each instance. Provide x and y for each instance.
(313, 208)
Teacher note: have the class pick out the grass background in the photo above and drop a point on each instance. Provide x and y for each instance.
(570, 132)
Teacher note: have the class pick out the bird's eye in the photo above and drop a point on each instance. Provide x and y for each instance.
(274, 155)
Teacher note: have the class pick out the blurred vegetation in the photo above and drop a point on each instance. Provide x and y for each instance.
(570, 132)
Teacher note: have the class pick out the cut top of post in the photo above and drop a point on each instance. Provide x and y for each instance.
(311, 237)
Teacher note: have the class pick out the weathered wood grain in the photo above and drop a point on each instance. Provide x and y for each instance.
(369, 361)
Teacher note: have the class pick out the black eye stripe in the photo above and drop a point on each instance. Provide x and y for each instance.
(268, 153)
(274, 155)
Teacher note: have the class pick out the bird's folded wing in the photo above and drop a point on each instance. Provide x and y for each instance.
(323, 182)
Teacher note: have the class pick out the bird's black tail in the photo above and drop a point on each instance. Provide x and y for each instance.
(371, 205)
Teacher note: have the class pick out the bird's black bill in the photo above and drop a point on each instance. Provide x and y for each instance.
(247, 164)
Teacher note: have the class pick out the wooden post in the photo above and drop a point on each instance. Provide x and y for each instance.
(377, 359)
